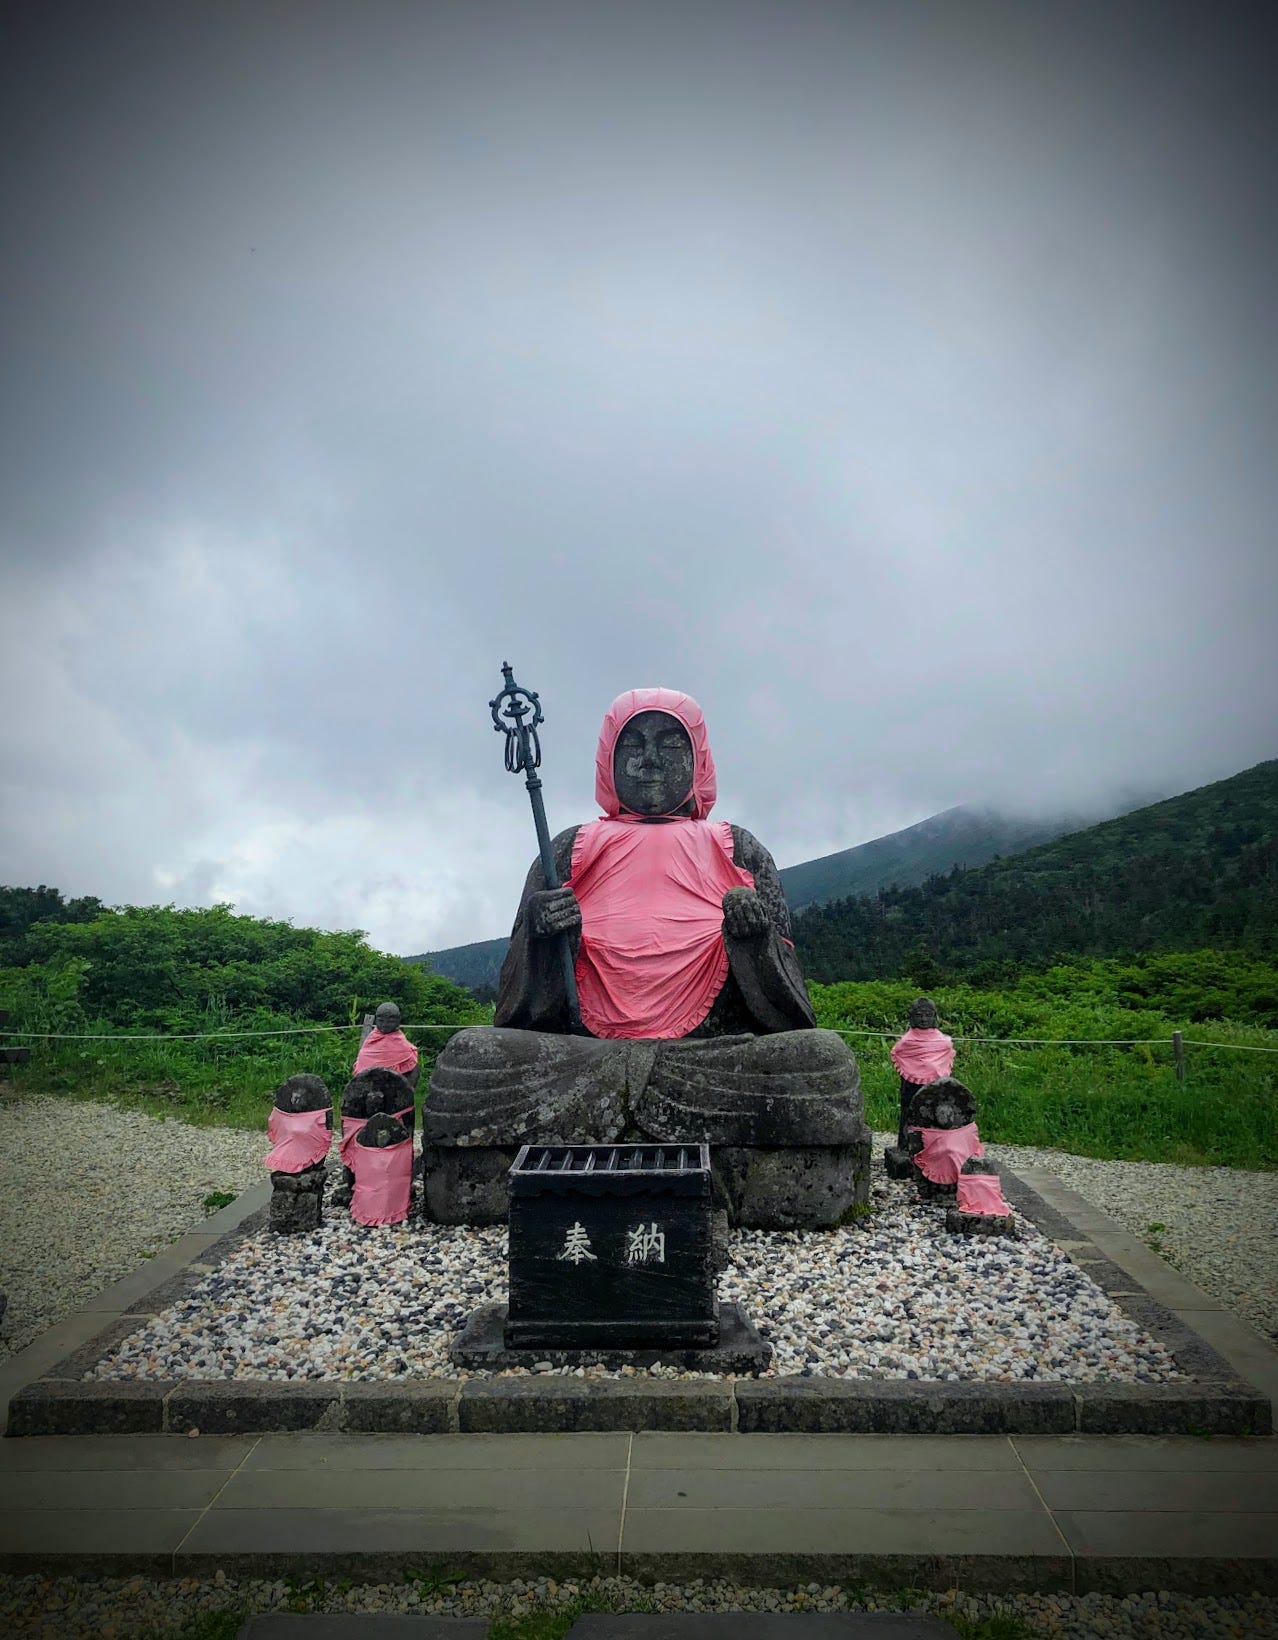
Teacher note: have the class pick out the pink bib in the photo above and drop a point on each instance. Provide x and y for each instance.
(300, 1138)
(945, 1150)
(981, 1193)
(383, 1183)
(923, 1056)
(652, 957)
(350, 1127)
(390, 1048)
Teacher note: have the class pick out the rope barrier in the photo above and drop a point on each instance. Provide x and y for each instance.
(461, 1025)
(208, 1036)
(1243, 1047)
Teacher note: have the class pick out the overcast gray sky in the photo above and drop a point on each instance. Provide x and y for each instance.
(897, 379)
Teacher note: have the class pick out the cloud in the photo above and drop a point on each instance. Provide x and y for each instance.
(899, 384)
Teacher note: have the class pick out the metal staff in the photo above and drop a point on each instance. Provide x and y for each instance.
(523, 756)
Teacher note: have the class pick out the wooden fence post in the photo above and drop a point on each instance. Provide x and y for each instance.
(1178, 1054)
(8, 1055)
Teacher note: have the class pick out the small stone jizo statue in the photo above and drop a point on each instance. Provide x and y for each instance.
(300, 1129)
(387, 1045)
(920, 1056)
(382, 1162)
(981, 1210)
(374, 1092)
(941, 1135)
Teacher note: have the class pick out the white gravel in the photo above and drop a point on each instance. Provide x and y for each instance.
(34, 1608)
(63, 1237)
(1219, 1225)
(87, 1192)
(896, 1297)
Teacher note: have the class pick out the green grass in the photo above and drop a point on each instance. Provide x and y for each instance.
(208, 1084)
(223, 1625)
(1116, 1103)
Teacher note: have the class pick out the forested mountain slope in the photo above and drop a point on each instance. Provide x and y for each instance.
(955, 837)
(475, 966)
(1196, 870)
(959, 836)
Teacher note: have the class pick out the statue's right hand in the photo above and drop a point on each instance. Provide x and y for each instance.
(553, 911)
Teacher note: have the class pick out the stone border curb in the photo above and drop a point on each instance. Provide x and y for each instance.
(1213, 1399)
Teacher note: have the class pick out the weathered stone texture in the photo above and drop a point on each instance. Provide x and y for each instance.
(782, 1114)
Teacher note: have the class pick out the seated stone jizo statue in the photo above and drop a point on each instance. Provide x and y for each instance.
(698, 1024)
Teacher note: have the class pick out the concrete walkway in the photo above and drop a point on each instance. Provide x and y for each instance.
(1110, 1513)
(1113, 1513)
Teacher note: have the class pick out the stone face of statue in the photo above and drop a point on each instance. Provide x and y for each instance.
(387, 1018)
(652, 765)
(923, 1014)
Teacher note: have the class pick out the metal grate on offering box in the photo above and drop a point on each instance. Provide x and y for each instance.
(607, 1169)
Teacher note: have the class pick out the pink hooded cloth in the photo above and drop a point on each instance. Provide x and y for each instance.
(383, 1182)
(351, 1126)
(299, 1138)
(945, 1150)
(652, 957)
(389, 1048)
(923, 1056)
(981, 1193)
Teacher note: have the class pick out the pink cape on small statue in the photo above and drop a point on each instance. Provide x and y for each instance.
(945, 1150)
(981, 1193)
(652, 958)
(923, 1056)
(299, 1138)
(351, 1126)
(389, 1048)
(383, 1182)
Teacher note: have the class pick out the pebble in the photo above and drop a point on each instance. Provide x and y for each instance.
(59, 1245)
(1217, 1225)
(89, 1192)
(34, 1608)
(895, 1297)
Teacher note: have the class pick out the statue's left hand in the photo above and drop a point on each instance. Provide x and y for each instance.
(744, 915)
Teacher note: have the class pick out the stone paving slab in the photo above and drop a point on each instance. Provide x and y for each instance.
(1159, 1454)
(813, 1454)
(1074, 1512)
(422, 1487)
(677, 1490)
(869, 1530)
(509, 1454)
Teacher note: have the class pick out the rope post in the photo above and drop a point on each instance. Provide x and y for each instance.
(1178, 1054)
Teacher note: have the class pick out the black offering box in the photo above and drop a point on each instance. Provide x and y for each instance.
(610, 1245)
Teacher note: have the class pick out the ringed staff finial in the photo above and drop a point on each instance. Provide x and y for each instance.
(523, 747)
(521, 711)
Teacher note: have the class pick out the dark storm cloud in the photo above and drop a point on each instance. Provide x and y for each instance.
(899, 381)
